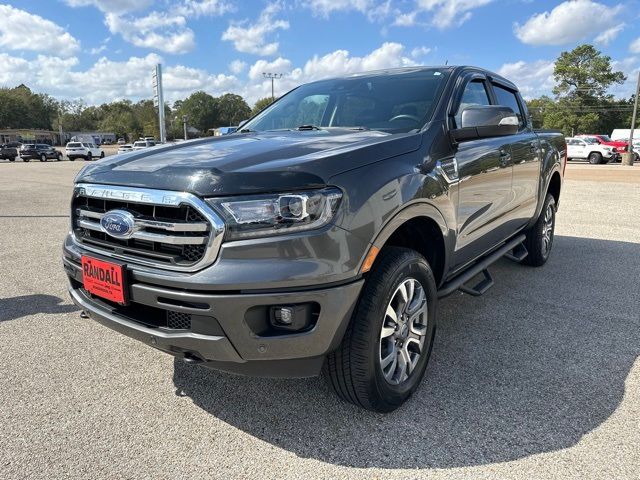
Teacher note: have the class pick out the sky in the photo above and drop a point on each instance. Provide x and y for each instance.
(103, 50)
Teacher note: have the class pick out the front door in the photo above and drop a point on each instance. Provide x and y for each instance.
(484, 189)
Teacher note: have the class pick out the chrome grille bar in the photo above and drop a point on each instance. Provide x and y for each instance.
(148, 236)
(143, 222)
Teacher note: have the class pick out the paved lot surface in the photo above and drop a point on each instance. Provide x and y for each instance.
(540, 378)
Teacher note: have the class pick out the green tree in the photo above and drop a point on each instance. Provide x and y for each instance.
(231, 110)
(261, 105)
(201, 110)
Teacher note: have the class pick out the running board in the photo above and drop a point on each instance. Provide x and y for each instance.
(518, 254)
(481, 266)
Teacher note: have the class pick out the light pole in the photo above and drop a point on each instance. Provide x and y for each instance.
(272, 76)
(184, 124)
(630, 156)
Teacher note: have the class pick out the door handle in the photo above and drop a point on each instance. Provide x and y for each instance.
(505, 158)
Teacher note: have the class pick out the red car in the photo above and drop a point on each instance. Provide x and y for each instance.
(620, 145)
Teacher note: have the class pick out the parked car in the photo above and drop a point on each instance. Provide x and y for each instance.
(595, 153)
(322, 235)
(619, 145)
(121, 141)
(140, 144)
(40, 151)
(9, 151)
(88, 151)
(125, 148)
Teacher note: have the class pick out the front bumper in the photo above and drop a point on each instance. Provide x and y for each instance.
(223, 334)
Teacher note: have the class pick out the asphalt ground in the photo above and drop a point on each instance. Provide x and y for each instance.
(539, 378)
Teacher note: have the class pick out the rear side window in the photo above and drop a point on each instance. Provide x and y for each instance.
(507, 98)
(73, 145)
(475, 94)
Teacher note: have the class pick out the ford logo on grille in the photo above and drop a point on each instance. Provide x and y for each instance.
(118, 223)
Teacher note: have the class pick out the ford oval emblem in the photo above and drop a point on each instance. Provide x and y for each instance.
(118, 223)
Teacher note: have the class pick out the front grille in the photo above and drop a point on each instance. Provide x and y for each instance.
(172, 230)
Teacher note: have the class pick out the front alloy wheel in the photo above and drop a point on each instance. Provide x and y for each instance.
(386, 348)
(403, 331)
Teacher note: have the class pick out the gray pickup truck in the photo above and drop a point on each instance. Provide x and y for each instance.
(320, 236)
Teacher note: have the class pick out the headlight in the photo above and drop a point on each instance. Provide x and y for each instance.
(266, 215)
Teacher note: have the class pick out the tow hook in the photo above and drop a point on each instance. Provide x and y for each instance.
(190, 358)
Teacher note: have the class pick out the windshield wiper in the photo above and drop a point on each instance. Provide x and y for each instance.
(247, 130)
(307, 127)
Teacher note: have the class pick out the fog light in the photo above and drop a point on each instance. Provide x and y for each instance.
(283, 315)
(292, 317)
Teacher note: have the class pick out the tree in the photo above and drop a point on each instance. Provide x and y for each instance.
(201, 109)
(584, 73)
(261, 105)
(581, 103)
(232, 109)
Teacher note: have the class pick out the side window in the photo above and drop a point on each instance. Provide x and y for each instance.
(507, 98)
(475, 94)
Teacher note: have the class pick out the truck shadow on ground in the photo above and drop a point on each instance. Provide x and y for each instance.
(22, 306)
(531, 367)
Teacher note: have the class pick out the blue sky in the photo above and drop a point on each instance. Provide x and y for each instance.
(100, 50)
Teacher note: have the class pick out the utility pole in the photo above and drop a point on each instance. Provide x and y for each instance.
(158, 100)
(628, 159)
(272, 76)
(184, 124)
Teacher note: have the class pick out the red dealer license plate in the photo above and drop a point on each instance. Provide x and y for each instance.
(104, 279)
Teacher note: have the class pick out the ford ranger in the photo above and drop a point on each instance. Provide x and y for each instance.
(320, 236)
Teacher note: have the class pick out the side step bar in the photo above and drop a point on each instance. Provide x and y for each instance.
(458, 283)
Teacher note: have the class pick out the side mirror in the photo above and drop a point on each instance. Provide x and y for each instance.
(485, 122)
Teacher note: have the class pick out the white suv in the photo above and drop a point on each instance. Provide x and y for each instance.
(140, 144)
(88, 151)
(580, 148)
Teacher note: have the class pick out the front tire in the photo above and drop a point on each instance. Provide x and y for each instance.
(595, 158)
(89, 157)
(386, 348)
(102, 154)
(43, 158)
(540, 236)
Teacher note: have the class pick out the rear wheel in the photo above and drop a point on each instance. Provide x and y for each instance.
(59, 157)
(540, 236)
(43, 158)
(386, 348)
(89, 157)
(102, 154)
(12, 159)
(595, 158)
(26, 160)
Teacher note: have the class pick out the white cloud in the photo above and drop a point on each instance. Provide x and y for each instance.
(251, 38)
(532, 78)
(405, 19)
(570, 22)
(448, 13)
(635, 46)
(609, 35)
(237, 66)
(25, 31)
(158, 30)
(420, 52)
(114, 6)
(108, 80)
(201, 8)
(325, 7)
(279, 65)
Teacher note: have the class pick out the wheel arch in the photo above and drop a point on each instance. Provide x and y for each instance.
(422, 228)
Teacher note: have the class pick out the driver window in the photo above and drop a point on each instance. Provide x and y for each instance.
(475, 94)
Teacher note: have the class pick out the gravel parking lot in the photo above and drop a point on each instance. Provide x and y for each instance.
(539, 378)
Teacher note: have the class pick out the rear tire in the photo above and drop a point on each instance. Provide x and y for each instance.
(89, 157)
(12, 159)
(102, 154)
(595, 158)
(539, 239)
(26, 160)
(43, 158)
(386, 348)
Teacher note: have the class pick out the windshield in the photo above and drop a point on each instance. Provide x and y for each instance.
(394, 103)
(140, 144)
(605, 138)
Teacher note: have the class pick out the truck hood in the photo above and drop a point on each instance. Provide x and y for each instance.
(250, 163)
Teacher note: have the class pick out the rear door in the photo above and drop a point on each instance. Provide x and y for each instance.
(525, 153)
(485, 170)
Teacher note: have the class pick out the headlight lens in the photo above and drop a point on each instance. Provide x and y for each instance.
(266, 215)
